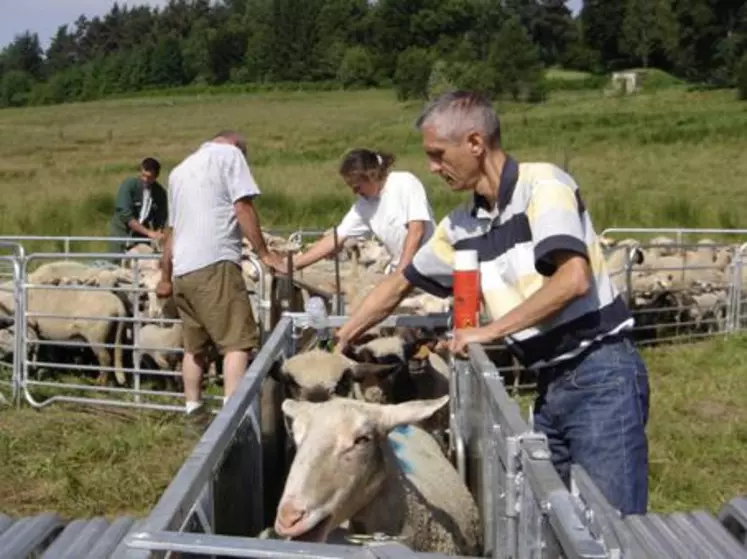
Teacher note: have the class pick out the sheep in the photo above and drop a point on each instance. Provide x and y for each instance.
(425, 303)
(273, 242)
(372, 254)
(142, 263)
(8, 339)
(367, 463)
(683, 271)
(158, 307)
(66, 273)
(669, 282)
(397, 385)
(35, 352)
(89, 303)
(318, 375)
(663, 246)
(428, 381)
(163, 347)
(377, 371)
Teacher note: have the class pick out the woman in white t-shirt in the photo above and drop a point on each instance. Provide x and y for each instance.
(391, 204)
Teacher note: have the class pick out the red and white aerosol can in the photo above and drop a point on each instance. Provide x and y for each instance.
(466, 282)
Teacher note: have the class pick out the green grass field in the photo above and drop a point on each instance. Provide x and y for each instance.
(670, 158)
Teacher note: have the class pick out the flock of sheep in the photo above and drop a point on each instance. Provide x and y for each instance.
(100, 305)
(674, 289)
(370, 453)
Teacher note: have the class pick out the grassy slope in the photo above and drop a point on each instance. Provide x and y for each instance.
(653, 160)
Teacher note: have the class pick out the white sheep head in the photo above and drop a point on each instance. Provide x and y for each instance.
(318, 375)
(343, 460)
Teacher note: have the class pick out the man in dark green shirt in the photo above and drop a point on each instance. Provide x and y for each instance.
(141, 208)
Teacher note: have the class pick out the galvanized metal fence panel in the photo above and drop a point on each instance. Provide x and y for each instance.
(10, 295)
(514, 486)
(67, 243)
(128, 322)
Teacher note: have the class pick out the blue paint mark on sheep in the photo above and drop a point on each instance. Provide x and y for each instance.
(397, 447)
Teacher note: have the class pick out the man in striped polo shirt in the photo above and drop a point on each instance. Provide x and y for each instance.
(546, 288)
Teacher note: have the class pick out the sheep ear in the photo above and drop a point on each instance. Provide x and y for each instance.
(292, 408)
(407, 413)
(361, 371)
(350, 352)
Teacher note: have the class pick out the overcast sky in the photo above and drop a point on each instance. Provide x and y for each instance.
(45, 16)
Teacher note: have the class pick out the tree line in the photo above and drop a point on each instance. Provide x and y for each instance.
(416, 46)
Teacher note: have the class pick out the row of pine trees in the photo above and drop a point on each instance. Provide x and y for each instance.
(499, 46)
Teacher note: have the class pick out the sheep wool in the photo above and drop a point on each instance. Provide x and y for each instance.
(317, 368)
(430, 483)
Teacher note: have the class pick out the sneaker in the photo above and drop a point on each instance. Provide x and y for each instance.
(197, 422)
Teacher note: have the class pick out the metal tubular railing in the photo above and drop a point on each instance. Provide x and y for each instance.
(516, 474)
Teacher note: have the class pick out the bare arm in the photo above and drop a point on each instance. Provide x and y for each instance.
(248, 220)
(323, 247)
(166, 264)
(415, 232)
(572, 279)
(137, 227)
(376, 307)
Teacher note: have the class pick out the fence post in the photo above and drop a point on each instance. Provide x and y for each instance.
(18, 357)
(134, 298)
(629, 260)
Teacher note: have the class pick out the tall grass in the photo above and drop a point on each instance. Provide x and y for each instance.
(662, 159)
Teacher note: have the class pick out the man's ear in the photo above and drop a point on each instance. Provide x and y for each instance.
(476, 144)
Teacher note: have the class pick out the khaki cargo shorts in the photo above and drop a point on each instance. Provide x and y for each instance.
(214, 306)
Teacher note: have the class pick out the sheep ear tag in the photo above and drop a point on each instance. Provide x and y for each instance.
(422, 353)
(327, 345)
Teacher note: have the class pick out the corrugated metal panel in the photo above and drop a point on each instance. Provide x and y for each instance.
(110, 539)
(47, 536)
(28, 535)
(687, 535)
(5, 522)
(733, 516)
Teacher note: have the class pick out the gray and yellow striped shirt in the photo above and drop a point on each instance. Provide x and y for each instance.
(539, 211)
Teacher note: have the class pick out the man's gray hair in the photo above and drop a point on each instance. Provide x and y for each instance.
(237, 138)
(456, 113)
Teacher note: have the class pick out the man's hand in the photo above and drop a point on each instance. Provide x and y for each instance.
(274, 261)
(466, 336)
(164, 289)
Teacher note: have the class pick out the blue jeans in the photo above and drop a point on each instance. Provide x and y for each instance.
(594, 410)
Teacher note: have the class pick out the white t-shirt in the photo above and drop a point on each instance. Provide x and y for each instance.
(402, 199)
(202, 190)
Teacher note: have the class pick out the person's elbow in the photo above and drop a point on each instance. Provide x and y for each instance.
(416, 228)
(244, 205)
(398, 286)
(577, 274)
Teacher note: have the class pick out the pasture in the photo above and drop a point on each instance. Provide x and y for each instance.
(667, 158)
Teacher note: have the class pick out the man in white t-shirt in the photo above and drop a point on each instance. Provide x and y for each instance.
(392, 205)
(211, 195)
